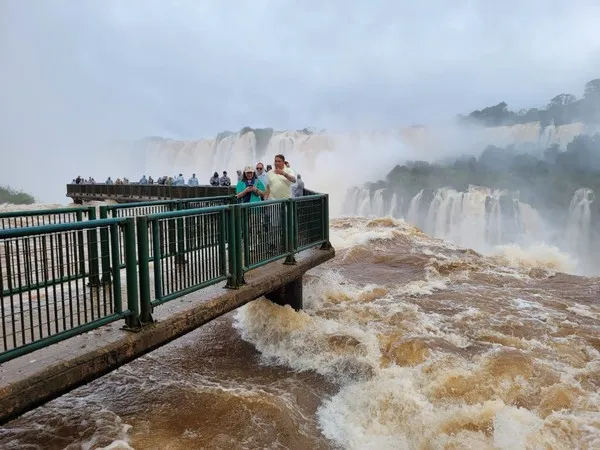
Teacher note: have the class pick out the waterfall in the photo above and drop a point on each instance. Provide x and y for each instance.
(361, 202)
(478, 218)
(413, 209)
(578, 233)
(322, 159)
(377, 205)
(394, 207)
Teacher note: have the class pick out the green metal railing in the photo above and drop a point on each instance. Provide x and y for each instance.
(266, 230)
(200, 247)
(190, 252)
(61, 280)
(311, 217)
(36, 218)
(49, 283)
(160, 206)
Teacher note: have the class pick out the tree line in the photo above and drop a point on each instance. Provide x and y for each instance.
(10, 195)
(562, 109)
(545, 178)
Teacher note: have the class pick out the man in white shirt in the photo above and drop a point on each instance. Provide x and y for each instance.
(281, 179)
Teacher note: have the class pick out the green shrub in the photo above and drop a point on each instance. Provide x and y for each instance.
(10, 195)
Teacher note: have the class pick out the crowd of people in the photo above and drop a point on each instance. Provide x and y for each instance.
(254, 183)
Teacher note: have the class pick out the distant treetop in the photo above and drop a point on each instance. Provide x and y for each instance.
(10, 195)
(562, 109)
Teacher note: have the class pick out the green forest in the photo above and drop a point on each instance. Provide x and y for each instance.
(545, 179)
(561, 109)
(10, 195)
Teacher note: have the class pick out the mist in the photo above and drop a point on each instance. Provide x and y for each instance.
(78, 76)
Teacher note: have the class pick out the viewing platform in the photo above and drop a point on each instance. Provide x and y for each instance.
(135, 192)
(83, 295)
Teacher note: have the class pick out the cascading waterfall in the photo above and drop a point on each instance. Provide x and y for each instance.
(413, 208)
(364, 203)
(478, 218)
(394, 207)
(482, 218)
(377, 205)
(579, 222)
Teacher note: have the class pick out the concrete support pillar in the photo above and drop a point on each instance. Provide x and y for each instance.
(288, 294)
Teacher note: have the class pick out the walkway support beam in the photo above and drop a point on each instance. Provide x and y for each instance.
(288, 294)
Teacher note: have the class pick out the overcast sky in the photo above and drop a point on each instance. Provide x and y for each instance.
(188, 69)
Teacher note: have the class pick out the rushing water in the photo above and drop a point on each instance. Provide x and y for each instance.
(406, 342)
(483, 219)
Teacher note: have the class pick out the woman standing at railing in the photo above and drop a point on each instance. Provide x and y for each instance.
(249, 189)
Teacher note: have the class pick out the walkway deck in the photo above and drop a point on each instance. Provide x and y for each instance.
(38, 377)
(134, 192)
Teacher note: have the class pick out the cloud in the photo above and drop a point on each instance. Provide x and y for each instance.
(76, 72)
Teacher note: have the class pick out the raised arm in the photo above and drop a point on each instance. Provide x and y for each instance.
(289, 176)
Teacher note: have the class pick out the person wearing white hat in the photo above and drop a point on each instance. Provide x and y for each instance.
(249, 189)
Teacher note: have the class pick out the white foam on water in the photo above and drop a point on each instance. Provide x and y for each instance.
(407, 375)
(534, 256)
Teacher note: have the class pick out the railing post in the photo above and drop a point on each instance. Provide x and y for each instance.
(172, 237)
(80, 246)
(143, 249)
(180, 258)
(223, 231)
(92, 242)
(325, 222)
(235, 248)
(290, 229)
(105, 248)
(116, 285)
(245, 236)
(157, 253)
(237, 210)
(133, 320)
(232, 280)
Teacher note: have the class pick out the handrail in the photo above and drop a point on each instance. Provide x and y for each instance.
(165, 255)
(13, 233)
(51, 287)
(31, 218)
(43, 212)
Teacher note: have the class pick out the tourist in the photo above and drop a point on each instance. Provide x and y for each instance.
(249, 189)
(298, 187)
(262, 174)
(280, 180)
(224, 180)
(214, 181)
(193, 181)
